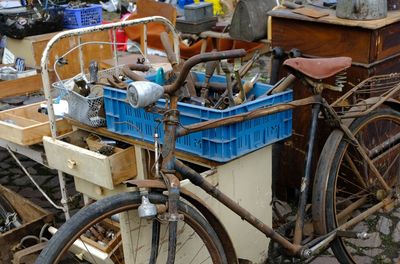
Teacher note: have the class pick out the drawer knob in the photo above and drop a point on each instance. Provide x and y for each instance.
(71, 164)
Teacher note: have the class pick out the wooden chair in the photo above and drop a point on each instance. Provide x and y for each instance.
(147, 8)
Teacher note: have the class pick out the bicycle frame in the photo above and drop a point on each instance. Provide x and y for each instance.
(170, 163)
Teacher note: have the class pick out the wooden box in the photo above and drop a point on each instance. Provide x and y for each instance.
(33, 218)
(69, 155)
(26, 126)
(21, 86)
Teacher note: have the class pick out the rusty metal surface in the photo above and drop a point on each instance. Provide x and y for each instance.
(197, 180)
(212, 56)
(245, 116)
(368, 96)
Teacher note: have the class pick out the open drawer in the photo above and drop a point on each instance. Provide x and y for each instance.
(26, 126)
(71, 155)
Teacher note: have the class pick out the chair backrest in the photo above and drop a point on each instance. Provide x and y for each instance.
(147, 8)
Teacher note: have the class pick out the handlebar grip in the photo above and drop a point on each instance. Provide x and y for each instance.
(143, 93)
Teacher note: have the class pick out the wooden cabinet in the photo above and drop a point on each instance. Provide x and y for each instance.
(364, 41)
(374, 47)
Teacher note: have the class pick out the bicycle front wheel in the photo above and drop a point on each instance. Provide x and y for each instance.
(351, 188)
(84, 237)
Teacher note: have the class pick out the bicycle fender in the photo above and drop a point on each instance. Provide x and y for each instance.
(203, 208)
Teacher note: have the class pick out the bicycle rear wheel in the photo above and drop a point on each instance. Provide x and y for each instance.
(197, 241)
(349, 188)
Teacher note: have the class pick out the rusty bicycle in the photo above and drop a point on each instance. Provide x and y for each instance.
(356, 183)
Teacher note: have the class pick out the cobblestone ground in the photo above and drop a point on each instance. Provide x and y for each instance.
(12, 177)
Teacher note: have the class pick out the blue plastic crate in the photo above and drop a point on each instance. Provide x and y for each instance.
(82, 17)
(218, 144)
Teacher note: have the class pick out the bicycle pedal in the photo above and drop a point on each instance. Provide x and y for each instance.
(353, 234)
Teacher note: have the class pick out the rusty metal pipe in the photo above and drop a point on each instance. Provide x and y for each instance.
(137, 67)
(212, 86)
(182, 131)
(199, 181)
(211, 56)
(132, 75)
(277, 57)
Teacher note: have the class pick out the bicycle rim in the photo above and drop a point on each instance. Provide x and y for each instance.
(197, 241)
(353, 188)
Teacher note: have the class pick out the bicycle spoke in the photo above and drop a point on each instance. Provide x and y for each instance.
(350, 198)
(138, 236)
(187, 239)
(351, 183)
(197, 253)
(204, 261)
(87, 250)
(355, 170)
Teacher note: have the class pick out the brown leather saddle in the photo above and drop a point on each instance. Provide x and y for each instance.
(319, 69)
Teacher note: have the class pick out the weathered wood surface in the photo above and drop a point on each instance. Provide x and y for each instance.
(25, 126)
(70, 157)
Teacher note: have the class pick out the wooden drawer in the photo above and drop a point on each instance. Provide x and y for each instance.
(69, 155)
(26, 126)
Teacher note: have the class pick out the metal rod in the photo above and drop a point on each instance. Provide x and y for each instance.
(211, 56)
(81, 62)
(199, 181)
(384, 146)
(144, 41)
(305, 182)
(331, 235)
(351, 208)
(114, 32)
(182, 131)
(365, 157)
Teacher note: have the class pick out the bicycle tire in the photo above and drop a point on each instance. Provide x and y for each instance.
(123, 202)
(343, 180)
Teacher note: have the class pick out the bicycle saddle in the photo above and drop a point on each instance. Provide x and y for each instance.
(319, 68)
